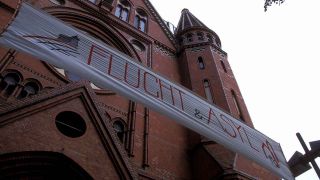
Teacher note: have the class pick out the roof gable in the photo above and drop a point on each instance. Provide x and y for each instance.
(160, 22)
(79, 92)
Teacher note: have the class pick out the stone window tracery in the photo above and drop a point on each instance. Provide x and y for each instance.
(123, 10)
(140, 20)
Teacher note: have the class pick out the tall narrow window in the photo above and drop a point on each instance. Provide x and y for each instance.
(122, 10)
(9, 83)
(223, 66)
(207, 90)
(236, 103)
(119, 128)
(201, 63)
(140, 20)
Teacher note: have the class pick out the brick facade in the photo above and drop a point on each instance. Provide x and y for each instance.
(122, 139)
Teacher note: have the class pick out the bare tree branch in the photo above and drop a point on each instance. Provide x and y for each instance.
(270, 2)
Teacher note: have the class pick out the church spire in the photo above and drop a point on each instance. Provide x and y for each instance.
(192, 32)
(188, 21)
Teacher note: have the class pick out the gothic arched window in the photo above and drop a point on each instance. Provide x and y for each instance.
(201, 63)
(9, 83)
(140, 20)
(122, 10)
(207, 90)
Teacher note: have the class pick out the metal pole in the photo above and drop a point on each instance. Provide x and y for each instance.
(313, 162)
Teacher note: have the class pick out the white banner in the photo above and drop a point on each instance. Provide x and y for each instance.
(39, 34)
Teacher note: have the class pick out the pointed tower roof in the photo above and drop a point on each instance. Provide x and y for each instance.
(188, 21)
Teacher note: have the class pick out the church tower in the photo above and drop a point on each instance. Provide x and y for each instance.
(55, 124)
(205, 68)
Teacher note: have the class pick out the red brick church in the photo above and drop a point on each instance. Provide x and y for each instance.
(56, 125)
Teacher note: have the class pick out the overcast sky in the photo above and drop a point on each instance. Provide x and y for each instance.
(275, 58)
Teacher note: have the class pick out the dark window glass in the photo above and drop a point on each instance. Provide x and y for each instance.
(223, 66)
(200, 36)
(200, 63)
(119, 129)
(30, 88)
(70, 124)
(180, 40)
(189, 37)
(9, 83)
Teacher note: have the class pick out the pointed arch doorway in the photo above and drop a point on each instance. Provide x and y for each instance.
(38, 165)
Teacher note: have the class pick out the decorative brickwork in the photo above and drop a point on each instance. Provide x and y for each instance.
(42, 76)
(163, 51)
(151, 145)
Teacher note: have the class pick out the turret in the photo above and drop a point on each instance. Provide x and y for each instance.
(192, 32)
(205, 70)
